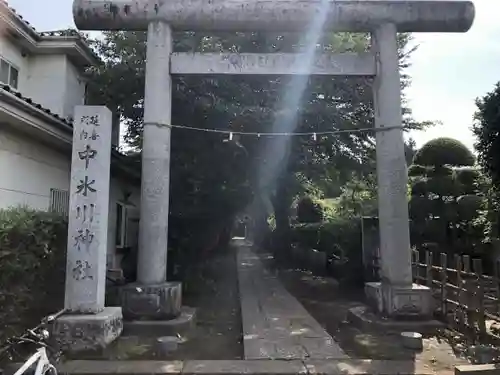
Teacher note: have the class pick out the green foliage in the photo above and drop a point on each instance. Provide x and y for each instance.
(32, 267)
(309, 211)
(467, 176)
(208, 176)
(444, 151)
(340, 237)
(446, 198)
(359, 197)
(417, 170)
(486, 129)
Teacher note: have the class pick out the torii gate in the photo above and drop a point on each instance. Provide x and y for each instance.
(396, 295)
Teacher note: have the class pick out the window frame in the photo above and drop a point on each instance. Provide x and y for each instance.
(59, 201)
(11, 67)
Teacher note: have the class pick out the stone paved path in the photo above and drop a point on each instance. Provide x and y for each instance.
(275, 324)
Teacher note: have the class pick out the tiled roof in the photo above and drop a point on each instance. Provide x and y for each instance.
(30, 101)
(69, 33)
(118, 159)
(18, 16)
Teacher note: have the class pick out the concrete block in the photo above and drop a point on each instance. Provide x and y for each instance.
(152, 302)
(487, 369)
(412, 340)
(120, 367)
(364, 318)
(365, 366)
(244, 367)
(182, 325)
(78, 333)
(414, 301)
(166, 345)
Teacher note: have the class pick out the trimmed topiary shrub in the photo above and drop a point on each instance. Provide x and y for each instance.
(32, 267)
(444, 151)
(417, 170)
(447, 198)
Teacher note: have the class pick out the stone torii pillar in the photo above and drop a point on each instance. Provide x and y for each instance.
(396, 295)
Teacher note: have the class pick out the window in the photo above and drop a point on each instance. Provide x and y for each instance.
(59, 201)
(9, 74)
(121, 225)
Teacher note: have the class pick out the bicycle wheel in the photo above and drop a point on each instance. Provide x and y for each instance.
(50, 370)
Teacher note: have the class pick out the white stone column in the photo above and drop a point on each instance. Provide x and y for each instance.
(153, 231)
(152, 297)
(392, 174)
(88, 213)
(396, 294)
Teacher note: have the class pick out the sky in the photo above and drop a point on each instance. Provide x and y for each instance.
(449, 71)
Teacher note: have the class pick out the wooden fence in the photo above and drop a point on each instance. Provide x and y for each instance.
(466, 298)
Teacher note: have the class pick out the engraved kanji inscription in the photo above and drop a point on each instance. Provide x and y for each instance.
(83, 237)
(85, 135)
(85, 212)
(85, 186)
(82, 270)
(87, 154)
(90, 120)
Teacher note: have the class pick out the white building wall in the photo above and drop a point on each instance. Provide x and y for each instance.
(30, 169)
(50, 80)
(74, 89)
(55, 83)
(14, 56)
(46, 82)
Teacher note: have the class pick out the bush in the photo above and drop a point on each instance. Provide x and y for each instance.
(309, 211)
(32, 267)
(444, 151)
(339, 237)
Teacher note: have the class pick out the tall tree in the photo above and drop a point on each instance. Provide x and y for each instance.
(210, 176)
(486, 129)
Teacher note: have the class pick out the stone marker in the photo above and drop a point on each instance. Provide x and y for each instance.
(412, 340)
(90, 324)
(166, 345)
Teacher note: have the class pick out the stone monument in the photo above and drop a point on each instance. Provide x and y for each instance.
(152, 297)
(88, 325)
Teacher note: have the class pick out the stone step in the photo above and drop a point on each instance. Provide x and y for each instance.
(181, 326)
(238, 367)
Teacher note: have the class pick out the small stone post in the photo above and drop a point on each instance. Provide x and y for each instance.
(90, 324)
(152, 296)
(396, 294)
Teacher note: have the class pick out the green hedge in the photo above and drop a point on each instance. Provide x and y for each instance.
(309, 211)
(338, 236)
(32, 267)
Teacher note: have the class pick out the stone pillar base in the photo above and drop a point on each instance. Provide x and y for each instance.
(411, 302)
(90, 332)
(151, 302)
